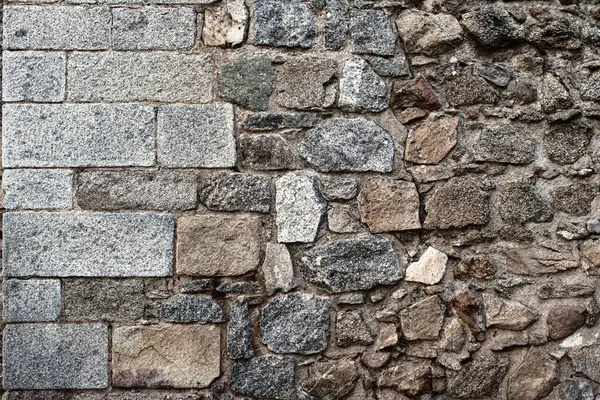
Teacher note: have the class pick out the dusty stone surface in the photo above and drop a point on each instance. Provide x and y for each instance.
(225, 25)
(247, 82)
(34, 76)
(191, 309)
(431, 141)
(507, 314)
(414, 93)
(37, 189)
(429, 269)
(267, 152)
(331, 380)
(407, 377)
(350, 328)
(266, 121)
(239, 331)
(361, 89)
(575, 199)
(535, 377)
(501, 143)
(288, 23)
(429, 34)
(337, 24)
(492, 26)
(479, 378)
(520, 202)
(277, 268)
(371, 32)
(423, 320)
(31, 300)
(566, 142)
(236, 192)
(565, 320)
(342, 218)
(268, 376)
(301, 82)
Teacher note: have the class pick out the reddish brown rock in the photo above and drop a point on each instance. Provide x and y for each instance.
(480, 267)
(431, 141)
(468, 308)
(564, 321)
(414, 93)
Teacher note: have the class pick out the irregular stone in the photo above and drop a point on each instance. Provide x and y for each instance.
(390, 67)
(534, 378)
(159, 356)
(330, 379)
(277, 269)
(492, 27)
(236, 192)
(544, 258)
(429, 34)
(247, 82)
(556, 33)
(301, 83)
(503, 143)
(338, 188)
(31, 300)
(507, 314)
(465, 89)
(551, 290)
(55, 356)
(590, 88)
(586, 362)
(477, 267)
(469, 308)
(215, 245)
(135, 190)
(268, 376)
(196, 286)
(337, 24)
(225, 25)
(361, 89)
(34, 76)
(423, 320)
(520, 202)
(191, 309)
(554, 95)
(239, 331)
(296, 323)
(416, 93)
(37, 189)
(479, 378)
(267, 152)
(375, 360)
(408, 377)
(372, 32)
(238, 287)
(566, 142)
(570, 389)
(367, 146)
(456, 204)
(574, 199)
(359, 263)
(564, 321)
(429, 269)
(287, 23)
(494, 73)
(388, 336)
(452, 338)
(432, 140)
(266, 121)
(590, 252)
(343, 218)
(351, 329)
(87, 244)
(571, 230)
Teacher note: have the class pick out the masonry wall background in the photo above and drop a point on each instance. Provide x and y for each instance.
(292, 199)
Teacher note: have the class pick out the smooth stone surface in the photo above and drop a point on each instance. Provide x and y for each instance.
(225, 25)
(37, 189)
(372, 33)
(239, 331)
(55, 356)
(87, 244)
(267, 152)
(432, 140)
(33, 76)
(265, 377)
(423, 320)
(236, 192)
(301, 83)
(563, 321)
(429, 34)
(507, 314)
(266, 121)
(284, 23)
(277, 269)
(502, 143)
(414, 93)
(361, 89)
(337, 24)
(31, 300)
(566, 142)
(247, 82)
(191, 309)
(429, 269)
(520, 202)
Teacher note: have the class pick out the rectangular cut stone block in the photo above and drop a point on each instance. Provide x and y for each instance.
(33, 76)
(55, 356)
(56, 27)
(180, 356)
(37, 188)
(87, 244)
(118, 76)
(77, 135)
(31, 300)
(141, 1)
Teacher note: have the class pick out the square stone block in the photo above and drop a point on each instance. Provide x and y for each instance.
(33, 76)
(37, 189)
(31, 300)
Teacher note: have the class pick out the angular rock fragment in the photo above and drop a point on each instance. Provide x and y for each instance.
(429, 34)
(414, 93)
(225, 25)
(191, 309)
(543, 258)
(408, 377)
(429, 269)
(590, 252)
(266, 121)
(267, 152)
(565, 320)
(236, 192)
(479, 378)
(343, 218)
(388, 336)
(287, 23)
(330, 379)
(492, 27)
(561, 291)
(494, 73)
(566, 142)
(390, 67)
(554, 95)
(590, 89)
(534, 378)
(248, 82)
(520, 203)
(361, 89)
(337, 24)
(507, 314)
(423, 320)
(269, 376)
(351, 329)
(469, 308)
(239, 331)
(277, 269)
(556, 33)
(372, 32)
(502, 143)
(301, 83)
(432, 140)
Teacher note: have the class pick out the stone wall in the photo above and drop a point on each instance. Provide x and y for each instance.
(301, 199)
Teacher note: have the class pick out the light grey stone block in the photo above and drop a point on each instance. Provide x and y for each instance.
(87, 244)
(77, 135)
(31, 300)
(196, 136)
(56, 27)
(153, 28)
(33, 76)
(55, 356)
(142, 1)
(37, 189)
(123, 77)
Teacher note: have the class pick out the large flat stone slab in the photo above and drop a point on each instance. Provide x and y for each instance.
(87, 244)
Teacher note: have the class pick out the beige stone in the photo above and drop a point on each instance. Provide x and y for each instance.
(388, 336)
(423, 320)
(301, 83)
(225, 25)
(389, 205)
(429, 269)
(216, 245)
(429, 34)
(277, 268)
(343, 218)
(534, 378)
(507, 314)
(431, 141)
(180, 356)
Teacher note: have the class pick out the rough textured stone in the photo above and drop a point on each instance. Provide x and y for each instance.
(268, 376)
(300, 208)
(238, 287)
(478, 267)
(338, 188)
(301, 83)
(423, 320)
(414, 93)
(37, 189)
(225, 25)
(507, 314)
(479, 378)
(330, 379)
(566, 142)
(196, 136)
(372, 32)
(33, 76)
(159, 356)
(520, 203)
(502, 143)
(361, 89)
(191, 309)
(239, 331)
(236, 192)
(367, 146)
(277, 268)
(343, 218)
(554, 95)
(465, 89)
(267, 152)
(213, 245)
(351, 329)
(492, 27)
(55, 356)
(130, 190)
(359, 263)
(534, 378)
(543, 258)
(390, 67)
(590, 89)
(408, 377)
(31, 300)
(551, 290)
(574, 199)
(247, 82)
(296, 323)
(389, 205)
(273, 120)
(494, 73)
(429, 269)
(132, 76)
(77, 135)
(564, 321)
(556, 33)
(432, 140)
(124, 244)
(571, 389)
(337, 24)
(287, 23)
(429, 34)
(585, 361)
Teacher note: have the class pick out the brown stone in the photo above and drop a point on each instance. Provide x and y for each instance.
(590, 250)
(480, 267)
(330, 379)
(431, 141)
(534, 378)
(411, 114)
(215, 245)
(179, 356)
(301, 83)
(350, 328)
(375, 360)
(414, 93)
(429, 34)
(467, 307)
(423, 320)
(408, 377)
(507, 314)
(565, 320)
(388, 336)
(389, 205)
(543, 258)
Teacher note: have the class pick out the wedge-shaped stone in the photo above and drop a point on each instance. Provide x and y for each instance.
(431, 141)
(87, 244)
(429, 269)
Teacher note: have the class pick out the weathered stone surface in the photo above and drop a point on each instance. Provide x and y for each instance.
(479, 378)
(196, 136)
(571, 230)
(351, 329)
(507, 314)
(213, 245)
(277, 268)
(337, 24)
(87, 244)
(267, 152)
(343, 218)
(330, 379)
(520, 202)
(33, 76)
(543, 258)
(465, 89)
(555, 33)
(239, 331)
(429, 34)
(247, 82)
(236, 192)
(300, 208)
(565, 320)
(133, 76)
(142, 190)
(31, 300)
(361, 89)
(494, 73)
(388, 336)
(191, 309)
(586, 362)
(367, 146)
(590, 89)
(571, 389)
(492, 27)
(429, 269)
(566, 142)
(37, 189)
(61, 135)
(359, 263)
(225, 25)
(502, 143)
(159, 356)
(458, 203)
(55, 356)
(389, 205)
(390, 67)
(423, 320)
(296, 323)
(372, 32)
(534, 378)
(414, 93)
(554, 95)
(266, 121)
(238, 287)
(478, 267)
(301, 83)
(432, 140)
(408, 377)
(574, 199)
(338, 188)
(103, 299)
(57, 27)
(557, 290)
(268, 376)
(287, 23)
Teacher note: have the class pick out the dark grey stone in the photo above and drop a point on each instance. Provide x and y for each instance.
(361, 89)
(586, 361)
(337, 24)
(296, 323)
(248, 82)
(274, 120)
(267, 152)
(590, 87)
(31, 300)
(465, 89)
(184, 308)
(286, 23)
(497, 74)
(196, 286)
(372, 32)
(268, 377)
(481, 377)
(239, 331)
(520, 203)
(359, 263)
(580, 389)
(238, 287)
(390, 67)
(566, 142)
(575, 199)
(503, 143)
(492, 27)
(554, 33)
(236, 192)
